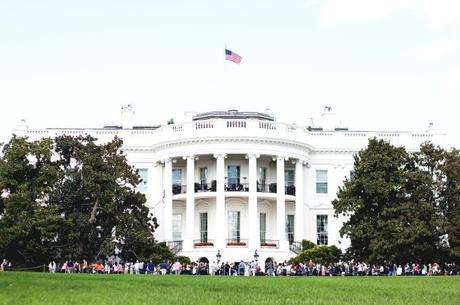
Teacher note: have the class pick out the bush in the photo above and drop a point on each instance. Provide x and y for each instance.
(324, 255)
(306, 244)
(183, 259)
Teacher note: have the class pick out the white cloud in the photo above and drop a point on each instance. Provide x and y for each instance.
(441, 13)
(436, 49)
(452, 80)
(336, 11)
(437, 13)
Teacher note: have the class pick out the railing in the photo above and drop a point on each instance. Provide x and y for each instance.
(199, 243)
(267, 125)
(323, 139)
(236, 124)
(295, 247)
(204, 124)
(179, 189)
(269, 243)
(231, 187)
(175, 246)
(272, 188)
(205, 187)
(266, 187)
(237, 187)
(237, 242)
(289, 190)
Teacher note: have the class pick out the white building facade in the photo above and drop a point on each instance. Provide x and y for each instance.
(235, 183)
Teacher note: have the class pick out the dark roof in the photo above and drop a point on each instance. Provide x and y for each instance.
(233, 114)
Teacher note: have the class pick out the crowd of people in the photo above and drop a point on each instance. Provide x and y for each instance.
(253, 268)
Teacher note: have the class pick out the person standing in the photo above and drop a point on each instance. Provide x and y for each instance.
(52, 267)
(177, 267)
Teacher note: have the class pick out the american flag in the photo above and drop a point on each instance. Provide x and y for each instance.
(232, 56)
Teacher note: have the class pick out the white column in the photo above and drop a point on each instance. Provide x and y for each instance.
(298, 220)
(253, 236)
(190, 203)
(168, 209)
(220, 228)
(280, 203)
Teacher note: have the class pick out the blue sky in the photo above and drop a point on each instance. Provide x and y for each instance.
(391, 65)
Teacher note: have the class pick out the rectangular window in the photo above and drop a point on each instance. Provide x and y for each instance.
(262, 182)
(143, 174)
(233, 174)
(203, 175)
(321, 181)
(289, 177)
(321, 230)
(234, 226)
(177, 226)
(263, 227)
(177, 176)
(204, 227)
(290, 228)
(177, 181)
(233, 179)
(262, 175)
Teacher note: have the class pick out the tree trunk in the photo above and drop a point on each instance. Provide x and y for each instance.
(92, 218)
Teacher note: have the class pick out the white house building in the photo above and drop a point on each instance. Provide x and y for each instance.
(233, 182)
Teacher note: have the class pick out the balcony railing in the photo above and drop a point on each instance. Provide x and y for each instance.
(237, 187)
(269, 243)
(266, 188)
(179, 189)
(237, 242)
(289, 190)
(231, 187)
(272, 188)
(199, 243)
(205, 186)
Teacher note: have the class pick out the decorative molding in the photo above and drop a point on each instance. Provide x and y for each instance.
(322, 206)
(280, 158)
(191, 157)
(220, 155)
(166, 160)
(210, 140)
(252, 155)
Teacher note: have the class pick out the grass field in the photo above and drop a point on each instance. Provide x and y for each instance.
(62, 289)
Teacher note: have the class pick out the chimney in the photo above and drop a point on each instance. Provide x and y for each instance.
(127, 116)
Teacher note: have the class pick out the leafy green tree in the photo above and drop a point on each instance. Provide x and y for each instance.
(72, 198)
(365, 199)
(306, 244)
(28, 224)
(394, 204)
(450, 203)
(99, 203)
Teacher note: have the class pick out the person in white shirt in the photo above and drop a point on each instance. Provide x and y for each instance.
(212, 268)
(136, 267)
(177, 267)
(399, 270)
(52, 267)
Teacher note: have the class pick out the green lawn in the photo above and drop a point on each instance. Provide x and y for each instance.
(61, 289)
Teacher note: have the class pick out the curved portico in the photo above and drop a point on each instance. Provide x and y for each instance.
(232, 201)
